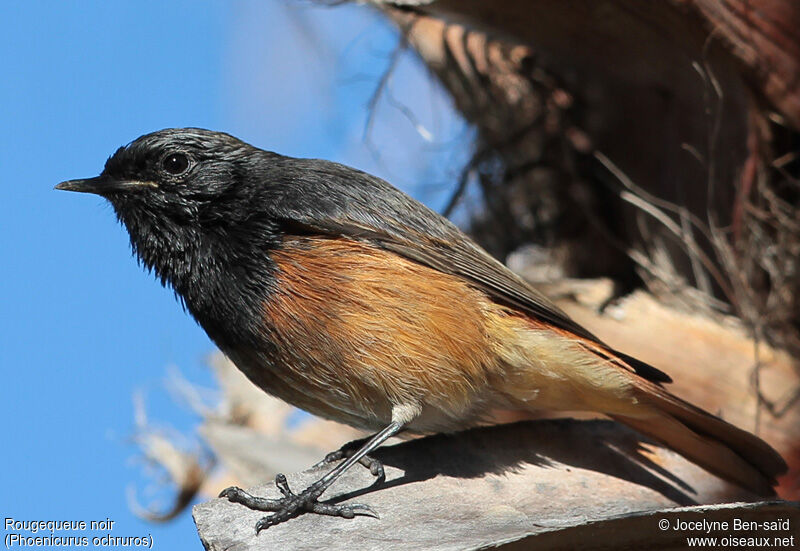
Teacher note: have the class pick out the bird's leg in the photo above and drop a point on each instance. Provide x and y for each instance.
(374, 466)
(292, 505)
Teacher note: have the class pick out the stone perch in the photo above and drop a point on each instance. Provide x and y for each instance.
(552, 484)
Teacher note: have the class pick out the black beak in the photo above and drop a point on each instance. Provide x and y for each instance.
(97, 185)
(103, 185)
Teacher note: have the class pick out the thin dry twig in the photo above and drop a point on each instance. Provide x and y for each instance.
(648, 207)
(186, 469)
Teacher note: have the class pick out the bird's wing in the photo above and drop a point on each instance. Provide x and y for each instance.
(369, 209)
(467, 260)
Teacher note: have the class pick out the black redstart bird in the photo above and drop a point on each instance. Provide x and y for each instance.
(341, 295)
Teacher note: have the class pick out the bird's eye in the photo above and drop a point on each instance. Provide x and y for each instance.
(175, 163)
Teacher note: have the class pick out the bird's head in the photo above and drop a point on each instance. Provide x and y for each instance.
(187, 196)
(179, 175)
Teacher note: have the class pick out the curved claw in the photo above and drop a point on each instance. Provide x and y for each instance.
(344, 511)
(233, 493)
(283, 485)
(228, 491)
(363, 510)
(376, 468)
(330, 458)
(266, 522)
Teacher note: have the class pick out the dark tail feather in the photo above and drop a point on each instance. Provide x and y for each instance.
(715, 445)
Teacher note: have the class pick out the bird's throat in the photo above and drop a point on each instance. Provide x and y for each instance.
(216, 275)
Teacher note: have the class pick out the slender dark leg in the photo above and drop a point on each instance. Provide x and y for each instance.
(292, 505)
(374, 466)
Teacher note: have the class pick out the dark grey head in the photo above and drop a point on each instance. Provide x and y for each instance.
(187, 196)
(171, 173)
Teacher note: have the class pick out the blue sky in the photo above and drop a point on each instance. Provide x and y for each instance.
(82, 326)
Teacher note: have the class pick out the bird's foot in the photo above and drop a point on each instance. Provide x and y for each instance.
(375, 467)
(292, 505)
